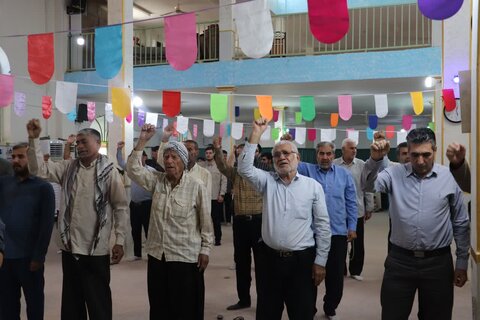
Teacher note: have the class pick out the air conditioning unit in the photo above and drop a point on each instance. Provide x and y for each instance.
(6, 152)
(54, 148)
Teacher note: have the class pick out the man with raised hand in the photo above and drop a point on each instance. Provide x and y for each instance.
(295, 231)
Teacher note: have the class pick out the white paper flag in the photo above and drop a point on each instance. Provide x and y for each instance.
(237, 130)
(401, 137)
(254, 28)
(266, 136)
(300, 134)
(182, 124)
(108, 112)
(165, 123)
(381, 105)
(353, 134)
(208, 128)
(413, 126)
(328, 134)
(66, 96)
(151, 118)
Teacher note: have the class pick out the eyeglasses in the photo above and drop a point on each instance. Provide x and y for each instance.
(286, 154)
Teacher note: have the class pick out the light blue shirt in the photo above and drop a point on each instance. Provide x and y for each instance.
(426, 213)
(337, 182)
(295, 215)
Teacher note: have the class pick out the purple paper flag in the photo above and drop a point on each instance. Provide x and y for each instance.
(19, 103)
(141, 118)
(439, 9)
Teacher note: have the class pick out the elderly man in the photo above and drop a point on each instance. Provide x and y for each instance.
(364, 205)
(180, 236)
(27, 207)
(94, 202)
(427, 212)
(295, 231)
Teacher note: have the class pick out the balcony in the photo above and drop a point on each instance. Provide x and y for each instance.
(371, 29)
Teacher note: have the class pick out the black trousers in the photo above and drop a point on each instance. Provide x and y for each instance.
(247, 232)
(404, 275)
(357, 250)
(334, 274)
(217, 214)
(15, 275)
(86, 287)
(228, 201)
(139, 217)
(285, 280)
(176, 290)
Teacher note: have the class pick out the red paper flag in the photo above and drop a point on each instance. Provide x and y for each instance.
(171, 103)
(449, 99)
(41, 57)
(46, 107)
(312, 134)
(390, 132)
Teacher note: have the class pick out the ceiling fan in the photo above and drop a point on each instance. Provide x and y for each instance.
(176, 10)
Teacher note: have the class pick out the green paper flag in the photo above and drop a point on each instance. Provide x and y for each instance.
(275, 133)
(218, 107)
(298, 117)
(431, 125)
(307, 106)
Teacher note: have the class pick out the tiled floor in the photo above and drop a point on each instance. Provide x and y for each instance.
(360, 301)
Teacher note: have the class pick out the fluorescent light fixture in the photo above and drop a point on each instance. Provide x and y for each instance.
(80, 40)
(141, 9)
(429, 82)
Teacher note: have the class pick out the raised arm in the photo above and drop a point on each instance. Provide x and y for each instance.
(459, 166)
(378, 150)
(66, 149)
(167, 133)
(226, 169)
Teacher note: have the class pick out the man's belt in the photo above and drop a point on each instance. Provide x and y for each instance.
(421, 253)
(248, 217)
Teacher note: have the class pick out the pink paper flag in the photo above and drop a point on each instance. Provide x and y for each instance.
(275, 115)
(91, 111)
(129, 118)
(407, 120)
(312, 134)
(345, 107)
(222, 130)
(6, 90)
(195, 131)
(19, 107)
(181, 40)
(449, 99)
(46, 107)
(329, 20)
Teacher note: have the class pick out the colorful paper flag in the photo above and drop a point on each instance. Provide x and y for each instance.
(195, 131)
(300, 134)
(345, 107)
(237, 111)
(109, 112)
(265, 106)
(369, 133)
(311, 134)
(298, 117)
(20, 101)
(307, 107)
(6, 90)
(41, 57)
(171, 101)
(181, 40)
(108, 52)
(46, 107)
(390, 132)
(373, 121)
(182, 124)
(381, 105)
(329, 20)
(449, 99)
(218, 107)
(407, 121)
(208, 128)
(237, 130)
(266, 136)
(275, 115)
(91, 111)
(417, 102)
(334, 120)
(401, 137)
(275, 133)
(141, 118)
(152, 118)
(129, 118)
(66, 96)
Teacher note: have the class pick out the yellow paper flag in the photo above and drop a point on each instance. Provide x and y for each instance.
(121, 102)
(417, 101)
(265, 106)
(256, 114)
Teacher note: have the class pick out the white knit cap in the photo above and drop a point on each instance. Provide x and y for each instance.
(180, 149)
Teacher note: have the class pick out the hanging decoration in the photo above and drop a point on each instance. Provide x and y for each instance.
(164, 123)
(401, 137)
(300, 134)
(181, 40)
(41, 57)
(407, 121)
(390, 132)
(265, 107)
(66, 96)
(369, 133)
(19, 105)
(298, 117)
(334, 120)
(353, 134)
(121, 102)
(431, 125)
(292, 133)
(46, 107)
(345, 107)
(171, 101)
(195, 131)
(182, 124)
(91, 111)
(256, 114)
(372, 121)
(129, 118)
(6, 90)
(275, 115)
(221, 130)
(237, 130)
(152, 118)
(237, 111)
(307, 106)
(439, 9)
(328, 134)
(141, 118)
(329, 20)
(417, 102)
(449, 101)
(108, 52)
(275, 133)
(311, 134)
(254, 28)
(218, 107)
(72, 115)
(208, 128)
(108, 112)
(381, 105)
(266, 136)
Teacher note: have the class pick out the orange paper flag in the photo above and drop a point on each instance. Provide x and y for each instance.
(265, 106)
(334, 120)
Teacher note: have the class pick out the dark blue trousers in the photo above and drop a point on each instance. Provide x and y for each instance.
(15, 275)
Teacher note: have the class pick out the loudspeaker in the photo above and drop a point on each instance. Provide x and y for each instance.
(76, 7)
(82, 113)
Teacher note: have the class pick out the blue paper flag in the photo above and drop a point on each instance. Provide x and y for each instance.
(228, 129)
(237, 111)
(108, 51)
(369, 134)
(72, 116)
(292, 133)
(373, 121)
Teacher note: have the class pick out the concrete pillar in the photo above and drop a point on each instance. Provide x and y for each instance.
(226, 27)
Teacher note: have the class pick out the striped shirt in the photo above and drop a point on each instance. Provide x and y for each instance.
(180, 222)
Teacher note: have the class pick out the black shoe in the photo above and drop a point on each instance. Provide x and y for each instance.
(238, 306)
(217, 243)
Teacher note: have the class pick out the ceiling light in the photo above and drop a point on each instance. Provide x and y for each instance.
(137, 101)
(429, 82)
(80, 40)
(456, 79)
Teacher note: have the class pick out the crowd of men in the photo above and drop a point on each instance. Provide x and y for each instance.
(297, 219)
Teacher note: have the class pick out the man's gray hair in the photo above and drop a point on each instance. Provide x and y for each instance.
(20, 145)
(325, 143)
(348, 141)
(91, 132)
(282, 142)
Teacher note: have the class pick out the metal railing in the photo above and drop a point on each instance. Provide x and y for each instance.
(371, 29)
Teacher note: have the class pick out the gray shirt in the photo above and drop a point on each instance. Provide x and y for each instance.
(426, 213)
(295, 216)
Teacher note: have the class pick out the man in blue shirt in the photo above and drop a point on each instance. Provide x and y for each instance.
(27, 207)
(339, 188)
